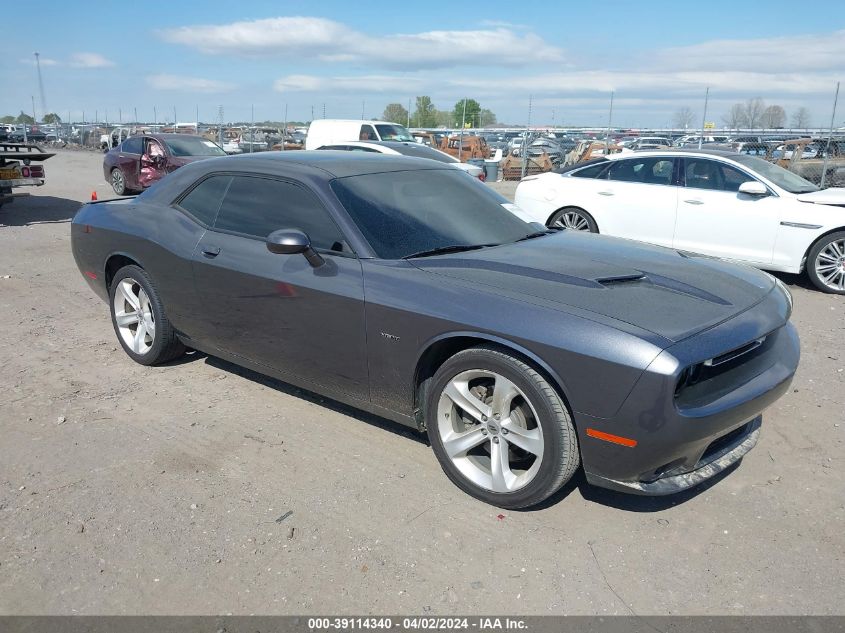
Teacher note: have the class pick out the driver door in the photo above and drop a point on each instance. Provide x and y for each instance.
(153, 162)
(277, 310)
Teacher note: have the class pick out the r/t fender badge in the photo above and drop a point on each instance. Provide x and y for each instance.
(390, 337)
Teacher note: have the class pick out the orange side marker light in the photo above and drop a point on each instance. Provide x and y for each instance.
(615, 439)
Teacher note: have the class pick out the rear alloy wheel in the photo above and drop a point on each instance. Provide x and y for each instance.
(499, 429)
(573, 218)
(118, 182)
(139, 320)
(826, 263)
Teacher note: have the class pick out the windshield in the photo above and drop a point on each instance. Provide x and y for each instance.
(405, 212)
(783, 178)
(193, 146)
(393, 133)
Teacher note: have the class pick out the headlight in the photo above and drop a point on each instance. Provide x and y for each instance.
(784, 290)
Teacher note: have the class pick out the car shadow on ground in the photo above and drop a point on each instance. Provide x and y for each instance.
(310, 396)
(38, 210)
(800, 281)
(594, 494)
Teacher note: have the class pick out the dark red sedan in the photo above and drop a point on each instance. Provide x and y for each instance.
(139, 161)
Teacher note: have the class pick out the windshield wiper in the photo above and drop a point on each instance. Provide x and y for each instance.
(452, 248)
(531, 236)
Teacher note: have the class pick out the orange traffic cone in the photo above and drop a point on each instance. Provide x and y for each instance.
(93, 195)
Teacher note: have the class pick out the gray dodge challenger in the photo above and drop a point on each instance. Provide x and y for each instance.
(407, 289)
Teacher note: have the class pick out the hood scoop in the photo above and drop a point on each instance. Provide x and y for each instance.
(608, 282)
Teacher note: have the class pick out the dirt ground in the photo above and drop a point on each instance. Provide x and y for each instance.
(202, 488)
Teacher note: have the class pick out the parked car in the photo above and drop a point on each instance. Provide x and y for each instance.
(691, 140)
(399, 286)
(33, 135)
(712, 202)
(419, 150)
(650, 142)
(139, 161)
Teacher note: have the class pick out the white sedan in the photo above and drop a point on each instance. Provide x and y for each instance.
(404, 148)
(711, 202)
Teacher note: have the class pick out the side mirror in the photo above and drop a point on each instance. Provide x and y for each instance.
(753, 188)
(292, 242)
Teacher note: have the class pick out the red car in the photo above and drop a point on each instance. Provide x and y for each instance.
(139, 161)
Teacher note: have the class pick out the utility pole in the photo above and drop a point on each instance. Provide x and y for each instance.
(324, 109)
(830, 134)
(252, 129)
(524, 148)
(409, 112)
(704, 118)
(363, 107)
(461, 137)
(40, 86)
(609, 121)
(285, 129)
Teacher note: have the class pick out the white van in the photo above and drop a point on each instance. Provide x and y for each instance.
(330, 131)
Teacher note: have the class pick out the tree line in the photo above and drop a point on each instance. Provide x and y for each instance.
(23, 117)
(426, 115)
(750, 114)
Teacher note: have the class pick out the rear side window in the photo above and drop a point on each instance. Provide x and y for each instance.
(651, 171)
(258, 206)
(204, 200)
(132, 145)
(593, 171)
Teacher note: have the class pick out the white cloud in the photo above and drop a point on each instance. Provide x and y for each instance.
(89, 60)
(358, 84)
(328, 40)
(823, 51)
(187, 84)
(45, 61)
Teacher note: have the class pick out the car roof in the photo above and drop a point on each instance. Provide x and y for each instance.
(678, 151)
(337, 163)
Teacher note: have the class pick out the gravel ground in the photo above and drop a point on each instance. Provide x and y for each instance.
(203, 488)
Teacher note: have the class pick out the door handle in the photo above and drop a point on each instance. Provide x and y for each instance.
(211, 251)
(605, 193)
(694, 201)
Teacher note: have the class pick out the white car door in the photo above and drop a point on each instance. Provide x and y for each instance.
(715, 219)
(637, 200)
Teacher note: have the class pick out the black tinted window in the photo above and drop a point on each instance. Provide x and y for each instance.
(652, 171)
(701, 173)
(204, 200)
(593, 171)
(259, 206)
(132, 145)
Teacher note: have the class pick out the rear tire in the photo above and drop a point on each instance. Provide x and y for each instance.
(118, 183)
(826, 263)
(573, 218)
(139, 320)
(498, 428)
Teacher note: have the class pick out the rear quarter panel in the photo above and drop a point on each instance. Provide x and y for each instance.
(160, 239)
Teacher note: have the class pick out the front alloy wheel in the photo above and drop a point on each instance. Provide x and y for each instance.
(499, 430)
(826, 267)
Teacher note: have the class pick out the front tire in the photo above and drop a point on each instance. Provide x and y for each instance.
(139, 321)
(499, 430)
(826, 263)
(574, 219)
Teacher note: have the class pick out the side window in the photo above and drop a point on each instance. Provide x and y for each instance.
(700, 173)
(367, 133)
(259, 206)
(204, 200)
(651, 171)
(132, 145)
(593, 171)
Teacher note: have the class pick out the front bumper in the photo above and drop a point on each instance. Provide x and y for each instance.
(678, 440)
(707, 467)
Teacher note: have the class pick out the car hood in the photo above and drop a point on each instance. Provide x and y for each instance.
(834, 195)
(670, 294)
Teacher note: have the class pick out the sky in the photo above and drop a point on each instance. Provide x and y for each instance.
(350, 59)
